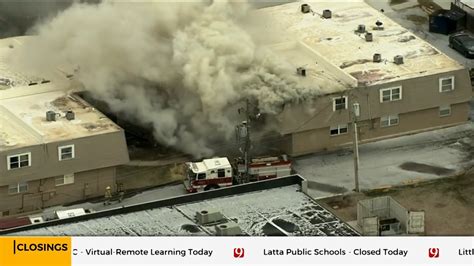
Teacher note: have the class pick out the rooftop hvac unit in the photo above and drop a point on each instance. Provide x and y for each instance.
(301, 71)
(398, 59)
(50, 116)
(378, 25)
(228, 229)
(361, 28)
(208, 216)
(377, 58)
(305, 8)
(70, 115)
(327, 13)
(36, 220)
(369, 37)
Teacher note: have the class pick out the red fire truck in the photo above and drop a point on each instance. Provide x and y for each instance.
(218, 172)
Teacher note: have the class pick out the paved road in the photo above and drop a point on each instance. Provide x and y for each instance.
(392, 162)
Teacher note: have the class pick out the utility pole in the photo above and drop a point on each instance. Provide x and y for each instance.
(355, 115)
(243, 139)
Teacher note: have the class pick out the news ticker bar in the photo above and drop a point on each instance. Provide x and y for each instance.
(236, 250)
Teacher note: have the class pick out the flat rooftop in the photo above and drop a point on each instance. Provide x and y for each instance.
(283, 211)
(337, 48)
(13, 77)
(25, 97)
(23, 119)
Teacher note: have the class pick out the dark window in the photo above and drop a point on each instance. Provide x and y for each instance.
(221, 173)
(340, 103)
(19, 161)
(202, 176)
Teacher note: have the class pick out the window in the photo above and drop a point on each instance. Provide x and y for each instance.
(18, 188)
(201, 176)
(387, 121)
(66, 152)
(338, 130)
(19, 161)
(391, 94)
(65, 180)
(446, 84)
(220, 172)
(339, 103)
(445, 110)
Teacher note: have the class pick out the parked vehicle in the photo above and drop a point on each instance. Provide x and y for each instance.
(218, 172)
(463, 43)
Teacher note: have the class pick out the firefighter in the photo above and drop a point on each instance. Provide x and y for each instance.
(108, 195)
(120, 192)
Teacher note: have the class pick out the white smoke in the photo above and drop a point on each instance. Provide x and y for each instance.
(180, 67)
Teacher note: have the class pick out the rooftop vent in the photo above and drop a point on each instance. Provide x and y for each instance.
(305, 8)
(327, 13)
(378, 25)
(398, 59)
(208, 216)
(5, 82)
(50, 116)
(377, 58)
(228, 229)
(301, 71)
(36, 220)
(369, 37)
(70, 115)
(361, 28)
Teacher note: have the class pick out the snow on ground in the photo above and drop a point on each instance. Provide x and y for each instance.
(425, 156)
(279, 211)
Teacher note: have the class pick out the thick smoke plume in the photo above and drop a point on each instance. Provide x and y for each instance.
(181, 67)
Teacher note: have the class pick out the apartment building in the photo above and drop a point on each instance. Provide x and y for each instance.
(54, 147)
(352, 53)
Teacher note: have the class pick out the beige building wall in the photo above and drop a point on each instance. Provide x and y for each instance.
(94, 165)
(370, 130)
(308, 123)
(45, 193)
(418, 93)
(94, 152)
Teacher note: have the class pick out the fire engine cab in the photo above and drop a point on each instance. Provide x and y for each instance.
(208, 174)
(218, 172)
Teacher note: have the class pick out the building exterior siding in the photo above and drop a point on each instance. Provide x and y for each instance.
(94, 165)
(93, 152)
(318, 140)
(418, 109)
(44, 193)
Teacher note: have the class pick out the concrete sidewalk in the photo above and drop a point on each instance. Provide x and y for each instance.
(393, 162)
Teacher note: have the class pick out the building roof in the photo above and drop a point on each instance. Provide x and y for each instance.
(469, 3)
(13, 77)
(25, 99)
(335, 47)
(24, 120)
(284, 211)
